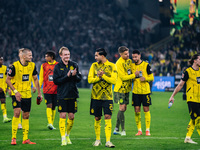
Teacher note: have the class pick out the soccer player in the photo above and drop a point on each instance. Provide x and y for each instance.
(66, 75)
(191, 77)
(141, 91)
(102, 75)
(49, 88)
(3, 88)
(122, 87)
(21, 73)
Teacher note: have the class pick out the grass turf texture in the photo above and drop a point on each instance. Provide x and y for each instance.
(168, 127)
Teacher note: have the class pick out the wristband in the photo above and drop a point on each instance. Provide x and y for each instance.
(15, 91)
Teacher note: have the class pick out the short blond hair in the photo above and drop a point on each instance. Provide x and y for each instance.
(23, 50)
(61, 50)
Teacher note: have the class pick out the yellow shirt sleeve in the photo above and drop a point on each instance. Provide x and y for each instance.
(41, 76)
(91, 77)
(149, 77)
(121, 73)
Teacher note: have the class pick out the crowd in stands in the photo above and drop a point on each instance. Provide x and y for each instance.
(173, 58)
(83, 26)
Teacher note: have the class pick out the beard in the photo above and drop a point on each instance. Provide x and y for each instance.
(99, 62)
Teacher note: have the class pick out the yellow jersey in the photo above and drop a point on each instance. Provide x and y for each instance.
(22, 77)
(3, 75)
(102, 88)
(138, 86)
(192, 79)
(125, 76)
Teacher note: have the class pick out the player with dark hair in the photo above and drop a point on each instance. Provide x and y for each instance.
(102, 75)
(141, 91)
(22, 72)
(66, 75)
(122, 87)
(49, 88)
(191, 77)
(3, 88)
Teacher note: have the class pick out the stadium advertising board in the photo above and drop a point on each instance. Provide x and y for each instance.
(160, 83)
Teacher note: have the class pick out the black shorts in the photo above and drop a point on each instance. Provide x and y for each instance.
(51, 99)
(25, 104)
(121, 98)
(69, 105)
(2, 95)
(194, 109)
(138, 99)
(97, 105)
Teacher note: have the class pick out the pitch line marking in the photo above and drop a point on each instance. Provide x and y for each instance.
(133, 138)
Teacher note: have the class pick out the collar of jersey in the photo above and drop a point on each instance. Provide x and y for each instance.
(52, 63)
(140, 63)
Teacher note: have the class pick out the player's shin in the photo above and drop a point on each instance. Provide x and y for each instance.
(15, 122)
(190, 128)
(97, 128)
(138, 120)
(69, 126)
(108, 127)
(25, 127)
(62, 127)
(147, 120)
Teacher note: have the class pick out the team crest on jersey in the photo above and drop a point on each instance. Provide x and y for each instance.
(15, 104)
(92, 110)
(71, 68)
(1, 75)
(25, 77)
(50, 77)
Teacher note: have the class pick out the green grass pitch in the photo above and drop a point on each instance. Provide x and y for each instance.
(168, 127)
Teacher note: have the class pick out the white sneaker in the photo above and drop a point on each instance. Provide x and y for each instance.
(68, 140)
(116, 132)
(110, 144)
(64, 142)
(123, 133)
(189, 140)
(97, 143)
(19, 126)
(50, 127)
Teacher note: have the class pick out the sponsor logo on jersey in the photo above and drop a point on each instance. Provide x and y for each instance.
(198, 80)
(1, 75)
(50, 77)
(25, 77)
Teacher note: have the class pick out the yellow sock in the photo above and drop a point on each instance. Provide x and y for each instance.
(53, 116)
(97, 128)
(190, 129)
(62, 126)
(3, 108)
(197, 124)
(20, 118)
(108, 128)
(49, 115)
(25, 127)
(69, 125)
(147, 119)
(138, 120)
(15, 122)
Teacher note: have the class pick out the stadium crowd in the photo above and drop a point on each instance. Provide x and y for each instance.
(83, 26)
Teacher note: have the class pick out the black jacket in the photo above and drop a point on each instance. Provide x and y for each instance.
(67, 87)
